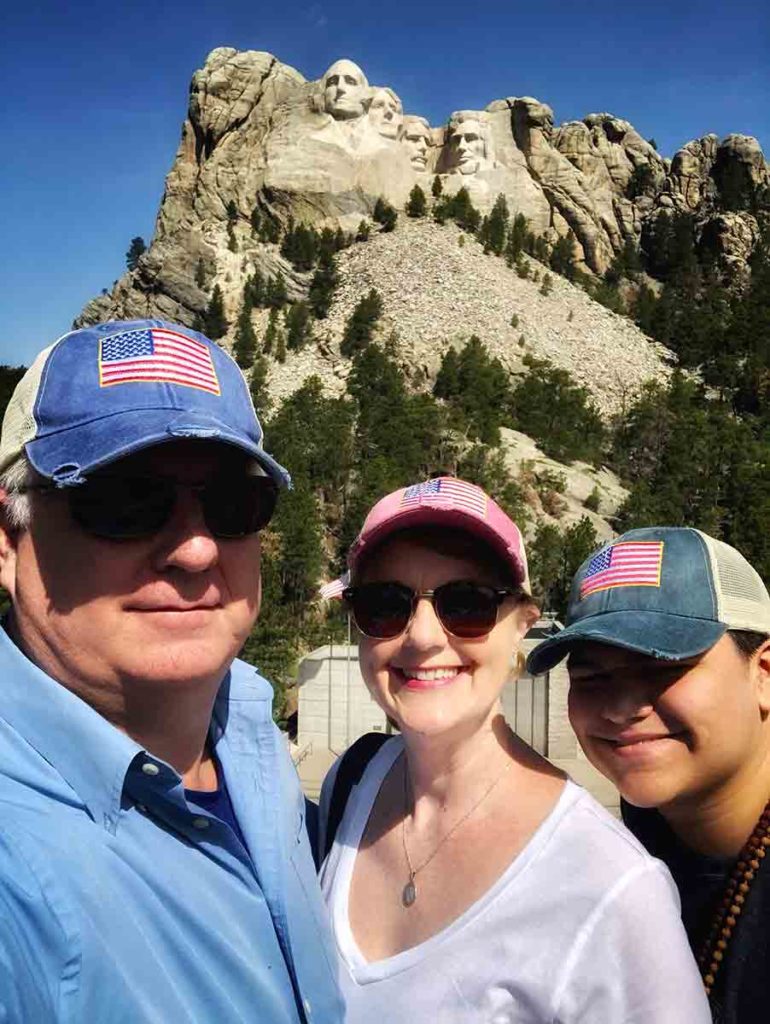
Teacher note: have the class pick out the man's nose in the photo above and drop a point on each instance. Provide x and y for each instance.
(186, 542)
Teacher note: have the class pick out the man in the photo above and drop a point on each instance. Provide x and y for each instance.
(668, 637)
(154, 865)
(345, 90)
(467, 142)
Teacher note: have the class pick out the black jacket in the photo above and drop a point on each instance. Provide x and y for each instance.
(741, 994)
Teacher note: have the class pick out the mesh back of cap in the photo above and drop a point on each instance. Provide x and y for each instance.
(19, 422)
(742, 599)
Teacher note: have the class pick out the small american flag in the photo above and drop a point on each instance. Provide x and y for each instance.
(448, 493)
(630, 563)
(334, 589)
(156, 355)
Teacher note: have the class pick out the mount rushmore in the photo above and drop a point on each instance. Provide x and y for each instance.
(260, 137)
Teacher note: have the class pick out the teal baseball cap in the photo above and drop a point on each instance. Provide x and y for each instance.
(666, 591)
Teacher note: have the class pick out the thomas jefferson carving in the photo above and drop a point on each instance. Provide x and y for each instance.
(386, 113)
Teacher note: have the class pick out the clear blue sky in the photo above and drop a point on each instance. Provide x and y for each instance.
(94, 96)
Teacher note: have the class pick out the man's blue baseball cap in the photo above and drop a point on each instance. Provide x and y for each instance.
(668, 592)
(101, 393)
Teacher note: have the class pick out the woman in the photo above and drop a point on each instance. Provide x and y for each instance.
(668, 637)
(469, 880)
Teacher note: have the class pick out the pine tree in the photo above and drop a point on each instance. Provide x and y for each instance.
(384, 214)
(300, 246)
(270, 231)
(447, 383)
(497, 227)
(135, 250)
(364, 231)
(275, 292)
(280, 346)
(361, 323)
(245, 343)
(517, 238)
(232, 242)
(463, 212)
(200, 273)
(437, 187)
(232, 212)
(256, 221)
(323, 286)
(258, 387)
(255, 290)
(417, 204)
(557, 413)
(271, 333)
(215, 323)
(562, 258)
(298, 325)
(644, 308)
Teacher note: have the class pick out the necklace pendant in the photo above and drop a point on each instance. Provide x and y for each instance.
(409, 894)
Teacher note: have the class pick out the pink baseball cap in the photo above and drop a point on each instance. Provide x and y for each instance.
(443, 501)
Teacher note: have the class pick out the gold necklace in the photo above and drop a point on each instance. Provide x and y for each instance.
(409, 892)
(725, 920)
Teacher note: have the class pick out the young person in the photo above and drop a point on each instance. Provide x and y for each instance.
(668, 637)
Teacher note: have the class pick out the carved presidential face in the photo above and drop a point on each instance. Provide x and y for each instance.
(417, 141)
(467, 145)
(386, 113)
(345, 90)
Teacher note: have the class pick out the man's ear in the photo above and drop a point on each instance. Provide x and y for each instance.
(761, 660)
(8, 541)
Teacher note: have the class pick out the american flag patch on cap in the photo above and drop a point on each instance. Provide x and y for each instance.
(633, 563)
(156, 355)
(446, 492)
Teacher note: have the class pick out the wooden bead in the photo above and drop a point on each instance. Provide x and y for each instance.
(715, 947)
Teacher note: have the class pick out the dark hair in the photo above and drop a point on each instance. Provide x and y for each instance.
(447, 540)
(747, 641)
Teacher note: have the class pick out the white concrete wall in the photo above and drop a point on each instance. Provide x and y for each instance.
(335, 707)
(334, 704)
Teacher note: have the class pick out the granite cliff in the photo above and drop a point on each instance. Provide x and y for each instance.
(260, 141)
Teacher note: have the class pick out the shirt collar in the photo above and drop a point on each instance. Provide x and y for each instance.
(87, 751)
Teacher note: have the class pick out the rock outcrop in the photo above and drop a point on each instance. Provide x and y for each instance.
(262, 142)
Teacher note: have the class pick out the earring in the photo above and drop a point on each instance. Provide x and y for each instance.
(518, 661)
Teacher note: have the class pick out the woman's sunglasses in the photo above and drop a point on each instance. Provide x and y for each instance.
(465, 609)
(129, 507)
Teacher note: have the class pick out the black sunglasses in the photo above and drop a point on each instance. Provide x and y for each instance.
(465, 609)
(118, 507)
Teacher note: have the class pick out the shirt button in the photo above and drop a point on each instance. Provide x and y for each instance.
(150, 769)
(201, 822)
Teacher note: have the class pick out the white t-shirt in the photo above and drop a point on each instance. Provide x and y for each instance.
(582, 926)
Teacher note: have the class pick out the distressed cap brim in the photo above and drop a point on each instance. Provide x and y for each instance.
(103, 441)
(658, 634)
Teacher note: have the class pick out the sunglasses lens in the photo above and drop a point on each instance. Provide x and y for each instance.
(126, 508)
(467, 610)
(121, 508)
(240, 506)
(381, 610)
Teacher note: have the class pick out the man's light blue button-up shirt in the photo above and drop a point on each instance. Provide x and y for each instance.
(120, 902)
